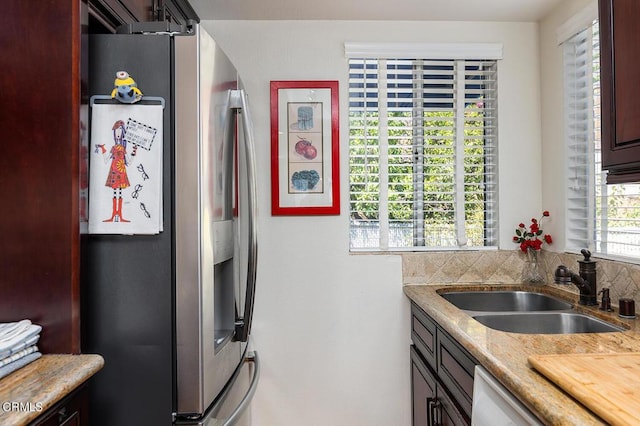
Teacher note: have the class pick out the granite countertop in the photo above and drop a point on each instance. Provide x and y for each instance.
(505, 355)
(39, 385)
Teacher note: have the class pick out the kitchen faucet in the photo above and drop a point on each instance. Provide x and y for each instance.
(585, 280)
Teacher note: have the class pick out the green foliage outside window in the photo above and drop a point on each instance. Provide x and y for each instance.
(438, 153)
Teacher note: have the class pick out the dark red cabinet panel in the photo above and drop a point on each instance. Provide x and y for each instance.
(41, 86)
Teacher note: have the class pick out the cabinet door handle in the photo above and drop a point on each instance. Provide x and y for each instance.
(66, 419)
(433, 418)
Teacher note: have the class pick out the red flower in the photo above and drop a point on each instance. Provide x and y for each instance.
(535, 244)
(528, 237)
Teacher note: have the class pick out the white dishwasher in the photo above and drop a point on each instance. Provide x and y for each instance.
(494, 405)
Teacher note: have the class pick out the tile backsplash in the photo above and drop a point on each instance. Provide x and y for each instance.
(505, 267)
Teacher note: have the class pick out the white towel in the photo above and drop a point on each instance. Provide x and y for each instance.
(29, 341)
(20, 354)
(10, 329)
(13, 366)
(16, 333)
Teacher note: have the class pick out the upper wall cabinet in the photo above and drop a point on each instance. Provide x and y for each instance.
(113, 13)
(110, 14)
(620, 86)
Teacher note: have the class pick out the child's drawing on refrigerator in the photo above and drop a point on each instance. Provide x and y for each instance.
(117, 178)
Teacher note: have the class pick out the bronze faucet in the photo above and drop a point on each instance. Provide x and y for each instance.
(585, 280)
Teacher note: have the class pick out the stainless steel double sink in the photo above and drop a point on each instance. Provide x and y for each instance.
(526, 312)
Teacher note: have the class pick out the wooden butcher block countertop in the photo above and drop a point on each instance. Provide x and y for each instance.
(506, 355)
(606, 383)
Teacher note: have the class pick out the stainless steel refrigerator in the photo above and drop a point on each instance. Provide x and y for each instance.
(171, 312)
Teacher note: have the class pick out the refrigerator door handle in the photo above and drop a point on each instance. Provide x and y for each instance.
(234, 417)
(215, 417)
(240, 105)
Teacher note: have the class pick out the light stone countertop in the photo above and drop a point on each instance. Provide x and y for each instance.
(505, 355)
(39, 385)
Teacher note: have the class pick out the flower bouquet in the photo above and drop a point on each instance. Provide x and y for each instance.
(531, 244)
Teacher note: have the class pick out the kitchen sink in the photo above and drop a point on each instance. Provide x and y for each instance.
(505, 301)
(525, 312)
(546, 323)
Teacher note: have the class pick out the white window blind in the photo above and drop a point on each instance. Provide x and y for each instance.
(423, 153)
(604, 218)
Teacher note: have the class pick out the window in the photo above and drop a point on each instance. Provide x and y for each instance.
(604, 218)
(423, 153)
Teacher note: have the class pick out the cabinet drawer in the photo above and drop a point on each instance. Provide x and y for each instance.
(455, 369)
(423, 334)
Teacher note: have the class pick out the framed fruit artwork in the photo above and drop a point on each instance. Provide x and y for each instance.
(304, 148)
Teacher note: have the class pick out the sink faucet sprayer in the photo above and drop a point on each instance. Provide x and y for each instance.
(585, 280)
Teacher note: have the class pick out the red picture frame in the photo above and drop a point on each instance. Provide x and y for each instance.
(305, 168)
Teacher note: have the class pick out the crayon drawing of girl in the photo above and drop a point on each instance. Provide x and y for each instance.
(117, 178)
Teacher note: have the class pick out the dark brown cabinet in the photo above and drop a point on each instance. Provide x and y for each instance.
(111, 14)
(40, 114)
(423, 390)
(133, 10)
(71, 411)
(431, 403)
(441, 375)
(620, 89)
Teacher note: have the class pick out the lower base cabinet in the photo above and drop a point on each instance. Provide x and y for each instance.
(431, 404)
(441, 375)
(70, 411)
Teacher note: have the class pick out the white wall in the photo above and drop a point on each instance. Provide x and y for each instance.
(332, 329)
(553, 131)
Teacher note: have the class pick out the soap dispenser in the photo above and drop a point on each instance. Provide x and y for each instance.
(605, 304)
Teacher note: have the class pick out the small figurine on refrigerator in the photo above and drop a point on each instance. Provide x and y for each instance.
(125, 90)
